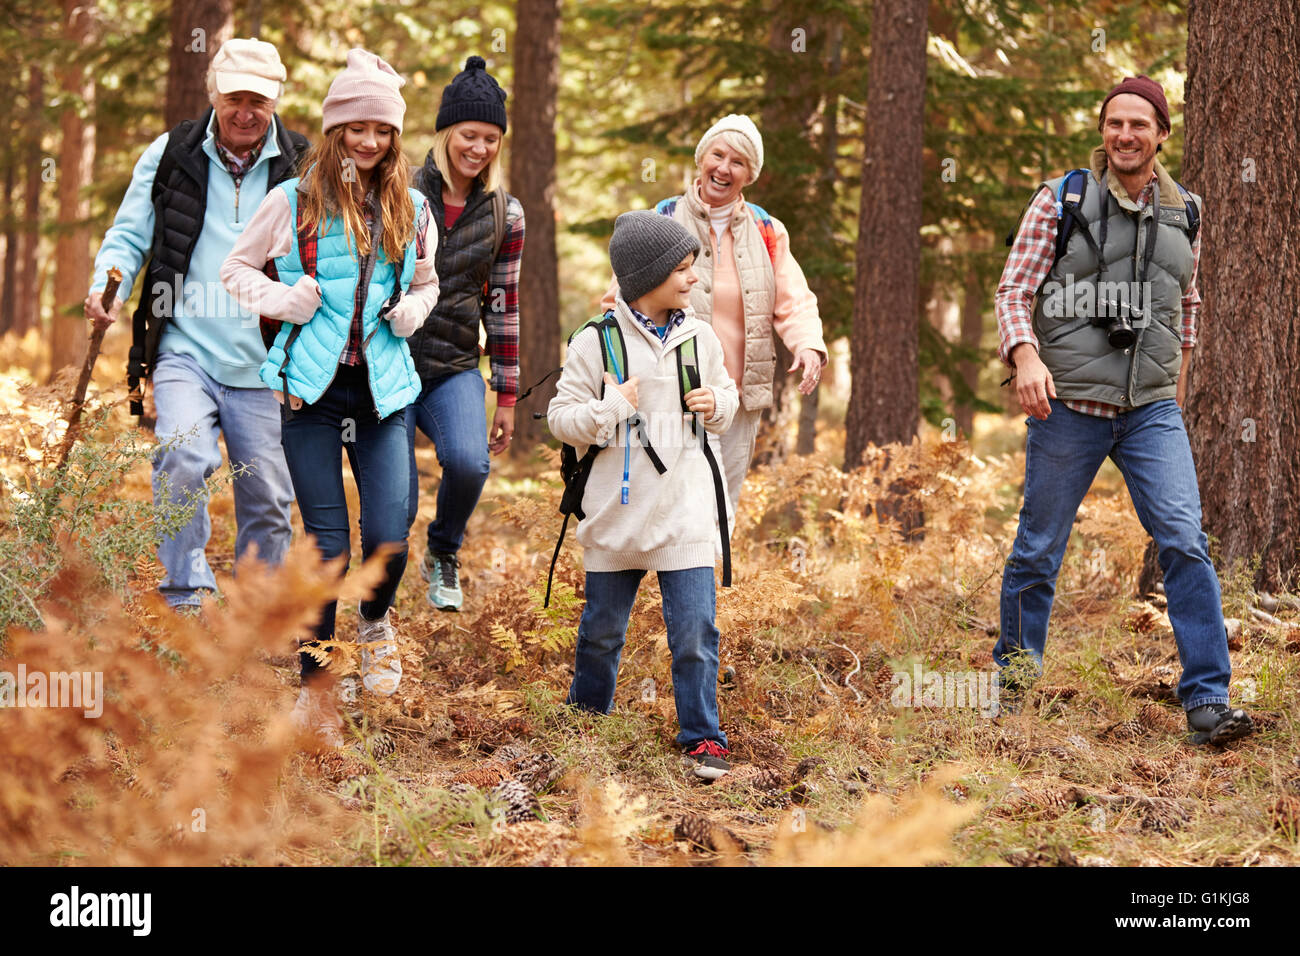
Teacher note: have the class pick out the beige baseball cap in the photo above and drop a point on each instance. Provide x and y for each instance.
(247, 64)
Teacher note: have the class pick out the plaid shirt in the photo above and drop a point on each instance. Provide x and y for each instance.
(1027, 267)
(503, 327)
(352, 352)
(238, 167)
(675, 318)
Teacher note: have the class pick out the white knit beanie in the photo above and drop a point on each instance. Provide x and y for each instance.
(734, 123)
(366, 91)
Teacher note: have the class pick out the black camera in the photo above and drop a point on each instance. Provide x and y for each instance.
(1116, 318)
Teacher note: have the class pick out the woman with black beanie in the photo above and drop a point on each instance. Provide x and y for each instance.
(480, 244)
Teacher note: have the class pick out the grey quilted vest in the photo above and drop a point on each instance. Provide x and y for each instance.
(1084, 366)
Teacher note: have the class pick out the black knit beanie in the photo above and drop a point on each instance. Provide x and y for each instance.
(472, 96)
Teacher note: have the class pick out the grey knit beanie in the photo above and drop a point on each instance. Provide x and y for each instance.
(645, 249)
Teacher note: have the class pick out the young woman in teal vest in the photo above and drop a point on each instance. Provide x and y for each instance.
(480, 243)
(344, 258)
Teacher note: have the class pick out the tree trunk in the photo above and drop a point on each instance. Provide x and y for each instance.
(806, 443)
(76, 166)
(532, 179)
(8, 299)
(884, 402)
(1243, 93)
(198, 28)
(972, 330)
(27, 302)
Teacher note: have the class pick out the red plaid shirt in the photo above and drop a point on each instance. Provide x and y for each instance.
(352, 352)
(1027, 267)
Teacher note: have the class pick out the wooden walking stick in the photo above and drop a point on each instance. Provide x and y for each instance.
(92, 353)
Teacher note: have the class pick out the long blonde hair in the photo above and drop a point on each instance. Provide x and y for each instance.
(489, 177)
(327, 194)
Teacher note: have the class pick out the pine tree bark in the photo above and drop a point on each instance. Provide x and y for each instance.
(8, 299)
(27, 299)
(1243, 93)
(532, 180)
(76, 166)
(884, 402)
(198, 28)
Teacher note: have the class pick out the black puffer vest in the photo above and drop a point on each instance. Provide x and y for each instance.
(180, 192)
(448, 340)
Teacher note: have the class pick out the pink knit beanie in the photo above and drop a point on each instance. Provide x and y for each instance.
(366, 91)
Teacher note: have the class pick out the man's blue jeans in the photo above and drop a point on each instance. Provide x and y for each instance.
(1149, 446)
(689, 599)
(450, 411)
(345, 417)
(192, 409)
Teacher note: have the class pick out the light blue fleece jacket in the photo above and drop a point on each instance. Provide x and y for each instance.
(207, 324)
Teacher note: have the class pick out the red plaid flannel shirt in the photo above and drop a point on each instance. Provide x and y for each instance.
(1027, 267)
(352, 353)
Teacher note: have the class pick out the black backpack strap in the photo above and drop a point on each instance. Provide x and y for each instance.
(498, 221)
(1193, 212)
(307, 255)
(688, 374)
(136, 370)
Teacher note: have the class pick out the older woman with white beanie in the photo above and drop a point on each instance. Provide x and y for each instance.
(750, 285)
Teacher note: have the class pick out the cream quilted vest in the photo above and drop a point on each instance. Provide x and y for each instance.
(757, 286)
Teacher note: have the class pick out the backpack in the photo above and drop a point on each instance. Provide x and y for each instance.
(575, 471)
(761, 219)
(1069, 211)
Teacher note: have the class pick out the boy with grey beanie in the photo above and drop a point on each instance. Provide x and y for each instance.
(640, 518)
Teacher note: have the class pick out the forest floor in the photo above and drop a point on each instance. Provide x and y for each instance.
(477, 761)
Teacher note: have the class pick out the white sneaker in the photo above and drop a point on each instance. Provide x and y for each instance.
(381, 667)
(317, 716)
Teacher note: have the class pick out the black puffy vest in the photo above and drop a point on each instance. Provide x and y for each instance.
(180, 192)
(448, 340)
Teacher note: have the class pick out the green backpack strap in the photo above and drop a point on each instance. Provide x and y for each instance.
(688, 376)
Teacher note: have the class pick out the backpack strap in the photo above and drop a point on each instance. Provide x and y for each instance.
(307, 238)
(136, 371)
(765, 229)
(1069, 208)
(688, 375)
(1193, 212)
(498, 221)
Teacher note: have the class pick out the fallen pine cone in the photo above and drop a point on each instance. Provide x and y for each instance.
(703, 833)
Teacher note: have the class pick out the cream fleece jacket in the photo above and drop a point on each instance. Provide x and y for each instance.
(670, 522)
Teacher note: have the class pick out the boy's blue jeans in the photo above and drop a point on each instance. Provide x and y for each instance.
(192, 409)
(450, 411)
(1149, 446)
(344, 417)
(689, 600)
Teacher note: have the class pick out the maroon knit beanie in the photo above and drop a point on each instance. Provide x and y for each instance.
(1144, 87)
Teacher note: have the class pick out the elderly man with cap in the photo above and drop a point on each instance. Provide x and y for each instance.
(1097, 310)
(190, 196)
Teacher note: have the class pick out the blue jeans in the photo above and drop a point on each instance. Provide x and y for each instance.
(450, 411)
(345, 417)
(1149, 446)
(192, 409)
(689, 599)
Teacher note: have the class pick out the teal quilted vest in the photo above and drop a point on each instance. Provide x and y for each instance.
(314, 355)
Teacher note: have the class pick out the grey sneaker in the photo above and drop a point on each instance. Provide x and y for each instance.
(442, 571)
(1216, 724)
(381, 667)
(316, 717)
